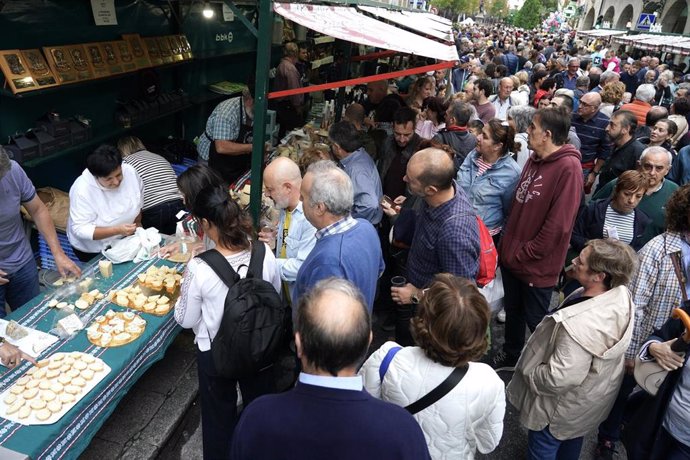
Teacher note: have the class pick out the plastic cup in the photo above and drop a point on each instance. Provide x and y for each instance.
(398, 281)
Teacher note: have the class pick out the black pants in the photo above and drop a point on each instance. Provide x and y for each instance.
(610, 429)
(84, 256)
(524, 305)
(219, 403)
(162, 216)
(669, 448)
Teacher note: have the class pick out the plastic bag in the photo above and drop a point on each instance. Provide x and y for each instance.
(143, 245)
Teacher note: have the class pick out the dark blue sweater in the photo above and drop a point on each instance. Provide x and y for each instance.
(312, 422)
(354, 255)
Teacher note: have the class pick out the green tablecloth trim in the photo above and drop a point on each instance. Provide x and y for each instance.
(69, 437)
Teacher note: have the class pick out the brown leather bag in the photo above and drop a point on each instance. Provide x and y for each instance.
(57, 203)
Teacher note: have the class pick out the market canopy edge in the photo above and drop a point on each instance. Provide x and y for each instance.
(346, 23)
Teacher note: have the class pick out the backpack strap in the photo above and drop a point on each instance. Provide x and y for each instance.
(387, 361)
(220, 266)
(440, 391)
(256, 263)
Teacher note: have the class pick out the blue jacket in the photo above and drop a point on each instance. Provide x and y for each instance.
(680, 171)
(590, 225)
(491, 194)
(512, 62)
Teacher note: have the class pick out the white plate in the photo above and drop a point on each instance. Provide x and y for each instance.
(32, 420)
(33, 344)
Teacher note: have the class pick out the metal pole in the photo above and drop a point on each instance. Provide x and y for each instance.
(263, 58)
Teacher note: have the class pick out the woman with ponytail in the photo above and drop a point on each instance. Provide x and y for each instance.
(200, 307)
(489, 175)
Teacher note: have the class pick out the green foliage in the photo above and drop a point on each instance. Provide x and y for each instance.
(529, 15)
(496, 8)
(468, 7)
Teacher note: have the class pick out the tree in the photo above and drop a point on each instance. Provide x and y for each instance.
(529, 15)
(496, 8)
(468, 7)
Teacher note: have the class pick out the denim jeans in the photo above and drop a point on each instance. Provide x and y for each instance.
(218, 396)
(524, 305)
(541, 445)
(23, 286)
(669, 448)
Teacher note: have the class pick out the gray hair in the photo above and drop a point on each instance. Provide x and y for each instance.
(5, 163)
(573, 59)
(582, 82)
(332, 187)
(645, 92)
(522, 116)
(606, 76)
(656, 149)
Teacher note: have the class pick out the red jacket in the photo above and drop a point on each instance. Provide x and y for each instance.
(542, 216)
(640, 109)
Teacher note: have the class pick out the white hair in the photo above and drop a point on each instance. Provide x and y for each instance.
(645, 92)
(656, 149)
(332, 187)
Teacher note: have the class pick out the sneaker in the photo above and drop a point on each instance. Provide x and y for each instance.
(501, 362)
(605, 450)
(501, 317)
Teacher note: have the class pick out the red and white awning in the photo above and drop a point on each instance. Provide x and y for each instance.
(416, 21)
(346, 23)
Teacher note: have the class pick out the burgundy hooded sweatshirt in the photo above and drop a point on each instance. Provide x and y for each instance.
(542, 216)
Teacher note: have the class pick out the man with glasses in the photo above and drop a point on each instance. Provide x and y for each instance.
(590, 125)
(568, 78)
(655, 163)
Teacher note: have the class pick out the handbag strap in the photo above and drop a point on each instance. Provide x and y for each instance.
(383, 368)
(677, 268)
(440, 391)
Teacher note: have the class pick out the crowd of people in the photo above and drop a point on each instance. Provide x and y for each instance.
(574, 156)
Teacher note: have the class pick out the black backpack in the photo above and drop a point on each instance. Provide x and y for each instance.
(254, 321)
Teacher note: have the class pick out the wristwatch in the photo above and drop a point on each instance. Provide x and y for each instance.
(414, 298)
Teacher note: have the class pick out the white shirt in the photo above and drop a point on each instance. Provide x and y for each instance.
(91, 205)
(300, 241)
(501, 108)
(202, 299)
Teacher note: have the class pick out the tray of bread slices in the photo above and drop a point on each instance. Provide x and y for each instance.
(115, 328)
(49, 390)
(154, 292)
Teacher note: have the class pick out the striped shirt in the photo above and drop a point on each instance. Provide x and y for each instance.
(619, 226)
(595, 143)
(160, 181)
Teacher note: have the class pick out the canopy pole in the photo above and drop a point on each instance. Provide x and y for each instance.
(263, 57)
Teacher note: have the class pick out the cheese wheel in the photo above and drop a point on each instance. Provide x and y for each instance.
(44, 414)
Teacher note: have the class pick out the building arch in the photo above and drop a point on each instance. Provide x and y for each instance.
(610, 12)
(675, 18)
(589, 20)
(625, 17)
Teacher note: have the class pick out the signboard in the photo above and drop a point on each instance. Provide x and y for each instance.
(646, 20)
(570, 10)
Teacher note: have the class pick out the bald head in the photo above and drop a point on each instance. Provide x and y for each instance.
(656, 113)
(591, 99)
(432, 167)
(333, 329)
(355, 114)
(282, 182)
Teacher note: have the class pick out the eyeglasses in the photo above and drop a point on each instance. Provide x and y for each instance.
(584, 104)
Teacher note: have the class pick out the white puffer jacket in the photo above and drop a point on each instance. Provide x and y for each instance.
(467, 419)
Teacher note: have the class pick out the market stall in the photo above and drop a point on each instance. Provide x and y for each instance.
(118, 367)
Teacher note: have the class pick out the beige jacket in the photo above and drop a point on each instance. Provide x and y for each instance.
(571, 368)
